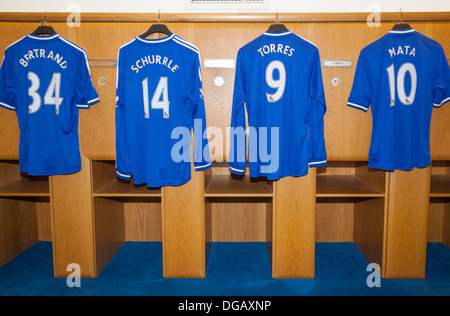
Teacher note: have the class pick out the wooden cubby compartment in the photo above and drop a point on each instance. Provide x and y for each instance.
(122, 211)
(351, 206)
(24, 210)
(439, 216)
(238, 208)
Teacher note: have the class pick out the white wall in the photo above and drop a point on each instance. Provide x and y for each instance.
(177, 6)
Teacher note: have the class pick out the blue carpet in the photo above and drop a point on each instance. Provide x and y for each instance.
(234, 269)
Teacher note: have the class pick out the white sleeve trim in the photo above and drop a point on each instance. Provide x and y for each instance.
(199, 167)
(237, 170)
(442, 103)
(93, 101)
(7, 106)
(357, 105)
(123, 175)
(85, 106)
(317, 162)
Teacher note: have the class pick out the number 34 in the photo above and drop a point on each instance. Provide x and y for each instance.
(51, 97)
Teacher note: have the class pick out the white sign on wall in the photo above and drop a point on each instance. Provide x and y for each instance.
(227, 4)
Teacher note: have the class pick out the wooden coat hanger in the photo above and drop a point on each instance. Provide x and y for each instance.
(157, 28)
(43, 28)
(277, 27)
(401, 25)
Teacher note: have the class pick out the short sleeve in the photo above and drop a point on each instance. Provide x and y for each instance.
(7, 95)
(361, 94)
(441, 93)
(85, 93)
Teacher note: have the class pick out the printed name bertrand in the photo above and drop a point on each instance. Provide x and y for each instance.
(41, 53)
(225, 306)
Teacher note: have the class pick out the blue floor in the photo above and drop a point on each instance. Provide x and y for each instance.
(234, 269)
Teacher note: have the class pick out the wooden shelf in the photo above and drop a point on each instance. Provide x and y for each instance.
(117, 188)
(26, 187)
(440, 186)
(345, 186)
(133, 17)
(229, 186)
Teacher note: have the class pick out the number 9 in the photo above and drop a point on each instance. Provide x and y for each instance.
(279, 84)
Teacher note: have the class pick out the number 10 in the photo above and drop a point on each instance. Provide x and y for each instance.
(407, 67)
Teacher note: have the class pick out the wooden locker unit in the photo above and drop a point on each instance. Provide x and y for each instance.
(238, 208)
(351, 201)
(114, 201)
(439, 223)
(24, 210)
(347, 202)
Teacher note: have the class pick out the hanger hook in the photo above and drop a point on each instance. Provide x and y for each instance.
(277, 21)
(401, 15)
(45, 18)
(159, 16)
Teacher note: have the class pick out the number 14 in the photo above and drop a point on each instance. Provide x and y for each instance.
(157, 102)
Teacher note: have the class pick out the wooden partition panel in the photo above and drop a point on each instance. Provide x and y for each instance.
(407, 223)
(183, 229)
(73, 222)
(294, 221)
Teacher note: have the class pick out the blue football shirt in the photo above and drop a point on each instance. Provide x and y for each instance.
(159, 101)
(402, 76)
(45, 80)
(279, 84)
